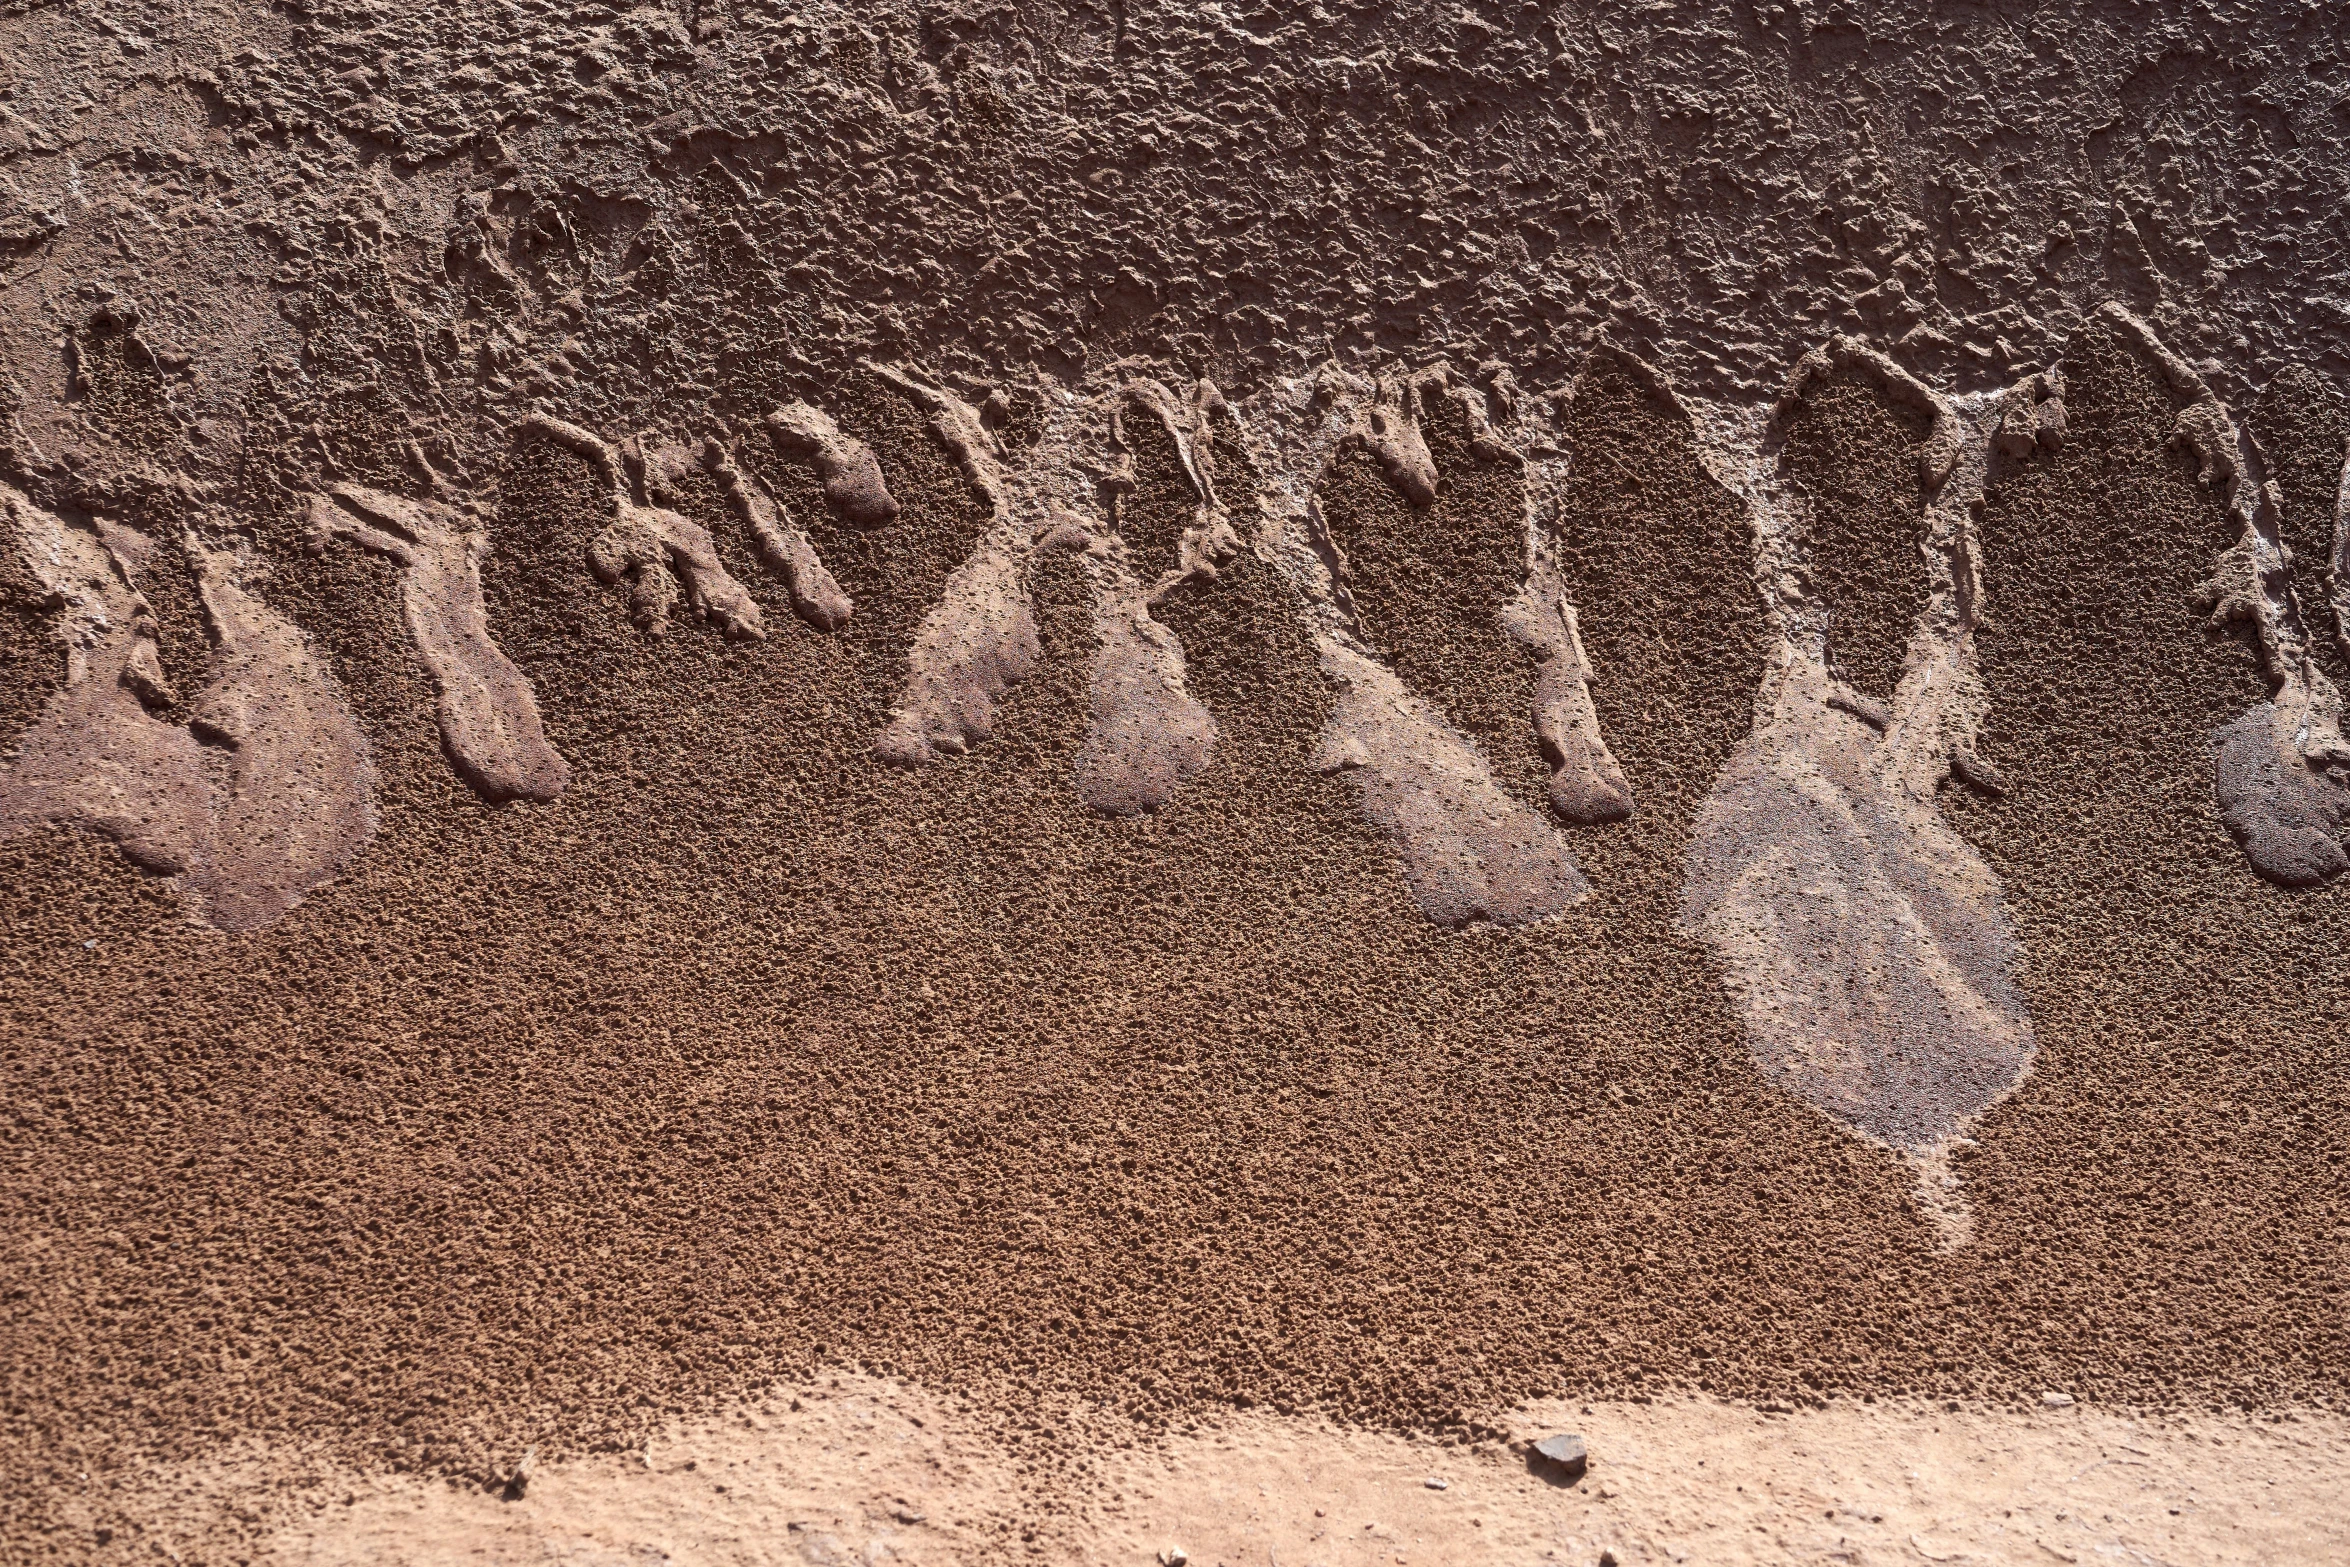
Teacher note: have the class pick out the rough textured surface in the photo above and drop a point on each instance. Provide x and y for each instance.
(1866, 944)
(489, 716)
(95, 757)
(1366, 1065)
(293, 786)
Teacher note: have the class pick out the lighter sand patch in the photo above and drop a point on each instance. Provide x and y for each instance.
(870, 1471)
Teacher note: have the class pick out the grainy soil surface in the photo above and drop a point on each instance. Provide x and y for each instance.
(751, 1062)
(753, 1056)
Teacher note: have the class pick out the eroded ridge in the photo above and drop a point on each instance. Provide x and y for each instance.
(293, 789)
(1468, 851)
(1388, 427)
(487, 711)
(96, 758)
(1587, 783)
(2277, 797)
(980, 640)
(816, 595)
(845, 466)
(665, 558)
(1146, 734)
(1863, 941)
(276, 802)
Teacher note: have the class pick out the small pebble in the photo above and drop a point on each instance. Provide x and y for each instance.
(1435, 1484)
(2057, 1400)
(1564, 1451)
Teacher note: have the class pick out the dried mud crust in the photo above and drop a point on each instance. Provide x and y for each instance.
(1853, 452)
(2190, 1090)
(1429, 584)
(1657, 558)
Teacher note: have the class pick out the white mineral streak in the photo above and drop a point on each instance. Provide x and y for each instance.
(1862, 940)
(1467, 850)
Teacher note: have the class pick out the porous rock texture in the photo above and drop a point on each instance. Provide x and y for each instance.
(1059, 694)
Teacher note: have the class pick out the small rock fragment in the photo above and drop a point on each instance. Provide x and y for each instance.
(1434, 1484)
(1564, 1452)
(518, 1480)
(1174, 1556)
(2057, 1400)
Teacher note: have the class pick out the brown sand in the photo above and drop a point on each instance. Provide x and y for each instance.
(553, 1124)
(572, 1122)
(2184, 1008)
(1848, 449)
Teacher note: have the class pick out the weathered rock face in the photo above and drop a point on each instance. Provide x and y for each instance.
(647, 213)
(1557, 651)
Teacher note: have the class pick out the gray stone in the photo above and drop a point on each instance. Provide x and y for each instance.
(1564, 1453)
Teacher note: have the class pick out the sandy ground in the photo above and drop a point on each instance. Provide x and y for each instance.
(867, 1470)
